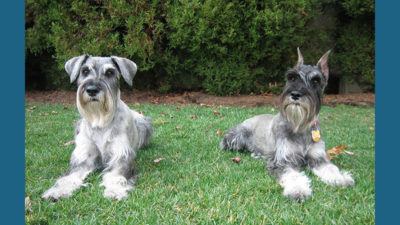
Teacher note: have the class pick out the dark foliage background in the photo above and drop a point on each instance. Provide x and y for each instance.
(221, 47)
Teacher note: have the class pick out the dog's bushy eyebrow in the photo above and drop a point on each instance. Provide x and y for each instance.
(85, 59)
(292, 72)
(318, 75)
(116, 65)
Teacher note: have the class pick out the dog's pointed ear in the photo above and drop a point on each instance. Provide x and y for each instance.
(300, 60)
(323, 64)
(126, 67)
(73, 65)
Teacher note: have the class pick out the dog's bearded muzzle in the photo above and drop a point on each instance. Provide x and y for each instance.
(297, 110)
(96, 102)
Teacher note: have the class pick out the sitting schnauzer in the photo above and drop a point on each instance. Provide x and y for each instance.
(291, 139)
(109, 133)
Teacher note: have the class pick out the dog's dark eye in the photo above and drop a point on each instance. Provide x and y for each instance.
(85, 71)
(109, 72)
(315, 81)
(292, 77)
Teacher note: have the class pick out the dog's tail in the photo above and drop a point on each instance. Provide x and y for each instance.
(144, 127)
(238, 138)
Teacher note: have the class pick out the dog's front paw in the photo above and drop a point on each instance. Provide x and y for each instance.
(296, 185)
(116, 187)
(331, 175)
(297, 193)
(116, 192)
(56, 193)
(63, 188)
(346, 180)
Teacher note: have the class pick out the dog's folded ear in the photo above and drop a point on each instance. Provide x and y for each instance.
(126, 67)
(73, 65)
(323, 64)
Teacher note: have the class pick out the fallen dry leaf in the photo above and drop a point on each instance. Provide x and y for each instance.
(304, 13)
(158, 160)
(171, 116)
(178, 108)
(69, 143)
(216, 112)
(28, 204)
(219, 132)
(54, 112)
(236, 159)
(33, 107)
(163, 113)
(156, 100)
(372, 128)
(348, 152)
(193, 116)
(179, 127)
(335, 152)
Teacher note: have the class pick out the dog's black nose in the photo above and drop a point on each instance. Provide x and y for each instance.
(92, 90)
(295, 95)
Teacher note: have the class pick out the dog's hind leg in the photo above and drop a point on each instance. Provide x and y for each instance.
(238, 138)
(84, 160)
(144, 127)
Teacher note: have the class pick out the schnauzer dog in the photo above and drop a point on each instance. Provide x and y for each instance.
(291, 139)
(109, 133)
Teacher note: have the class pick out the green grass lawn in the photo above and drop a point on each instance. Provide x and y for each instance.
(196, 183)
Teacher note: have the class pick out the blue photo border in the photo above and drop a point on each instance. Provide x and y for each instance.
(387, 51)
(12, 131)
(13, 99)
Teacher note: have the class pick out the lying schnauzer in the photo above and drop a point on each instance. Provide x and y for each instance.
(109, 133)
(291, 139)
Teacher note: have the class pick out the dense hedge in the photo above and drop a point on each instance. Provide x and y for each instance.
(222, 47)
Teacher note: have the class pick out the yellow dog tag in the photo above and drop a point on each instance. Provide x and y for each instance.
(315, 135)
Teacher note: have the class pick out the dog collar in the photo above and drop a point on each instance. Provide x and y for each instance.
(315, 122)
(315, 134)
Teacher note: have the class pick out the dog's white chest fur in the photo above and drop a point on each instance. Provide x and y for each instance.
(101, 137)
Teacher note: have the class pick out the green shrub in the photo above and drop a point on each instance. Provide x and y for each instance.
(357, 53)
(356, 42)
(97, 28)
(221, 47)
(235, 47)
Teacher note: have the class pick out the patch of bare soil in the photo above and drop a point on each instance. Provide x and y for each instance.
(198, 98)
